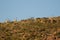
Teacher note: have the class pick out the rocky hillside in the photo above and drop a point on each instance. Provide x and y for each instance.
(31, 29)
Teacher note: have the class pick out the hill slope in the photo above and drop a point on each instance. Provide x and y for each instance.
(31, 29)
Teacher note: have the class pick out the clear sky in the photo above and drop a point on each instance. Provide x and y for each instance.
(22, 9)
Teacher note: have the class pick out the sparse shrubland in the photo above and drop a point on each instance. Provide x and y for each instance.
(31, 29)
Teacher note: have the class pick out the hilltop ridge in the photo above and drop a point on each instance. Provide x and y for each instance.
(41, 20)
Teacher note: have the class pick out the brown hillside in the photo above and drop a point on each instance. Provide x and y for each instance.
(31, 29)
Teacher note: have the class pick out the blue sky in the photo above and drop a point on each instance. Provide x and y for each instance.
(22, 9)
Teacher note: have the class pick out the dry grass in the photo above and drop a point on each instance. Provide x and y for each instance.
(31, 29)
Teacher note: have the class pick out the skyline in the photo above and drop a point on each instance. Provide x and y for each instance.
(23, 9)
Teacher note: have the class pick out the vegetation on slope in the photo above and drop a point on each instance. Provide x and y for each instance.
(31, 29)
